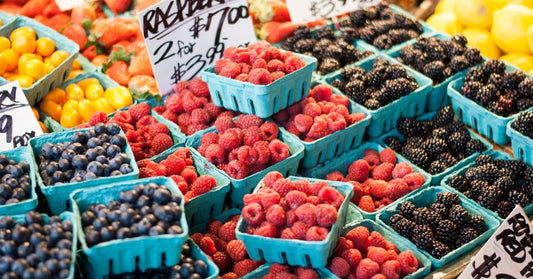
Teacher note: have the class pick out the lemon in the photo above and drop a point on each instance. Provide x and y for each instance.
(476, 13)
(445, 6)
(527, 3)
(480, 39)
(522, 61)
(530, 37)
(510, 26)
(445, 22)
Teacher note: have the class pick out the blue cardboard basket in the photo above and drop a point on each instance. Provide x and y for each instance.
(86, 65)
(125, 255)
(261, 100)
(424, 198)
(41, 87)
(201, 209)
(522, 145)
(384, 119)
(198, 254)
(297, 252)
(201, 228)
(353, 214)
(489, 124)
(261, 271)
(241, 187)
(341, 164)
(21, 154)
(401, 244)
(58, 196)
(6, 18)
(436, 178)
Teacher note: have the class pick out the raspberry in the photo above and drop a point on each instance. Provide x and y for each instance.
(97, 117)
(222, 260)
(209, 138)
(213, 226)
(291, 217)
(358, 236)
(391, 269)
(293, 63)
(189, 174)
(283, 186)
(196, 237)
(295, 198)
(303, 185)
(266, 229)
(219, 243)
(200, 116)
(193, 128)
(184, 120)
(339, 100)
(331, 196)
(306, 273)
(236, 169)
(387, 156)
(299, 228)
(306, 214)
(321, 92)
(276, 215)
(271, 177)
(379, 276)
(203, 184)
(215, 154)
(173, 164)
(240, 55)
(336, 121)
(244, 121)
(229, 69)
(352, 256)
(213, 110)
(227, 231)
(372, 160)
(343, 244)
(312, 109)
(278, 268)
(174, 103)
(236, 250)
(355, 117)
(146, 120)
(139, 110)
(335, 176)
(327, 107)
(401, 169)
(303, 122)
(207, 245)
(326, 215)
(248, 155)
(316, 233)
(339, 267)
(414, 180)
(269, 198)
(270, 129)
(223, 123)
(367, 204)
(278, 150)
(383, 171)
(377, 254)
(161, 142)
(366, 269)
(287, 234)
(123, 117)
(259, 76)
(408, 262)
(251, 198)
(263, 152)
(230, 275)
(253, 214)
(358, 171)
(391, 247)
(259, 63)
(158, 128)
(229, 141)
(252, 135)
(146, 172)
(376, 239)
(198, 87)
(378, 188)
(396, 189)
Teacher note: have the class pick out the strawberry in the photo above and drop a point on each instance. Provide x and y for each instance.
(114, 30)
(90, 52)
(280, 10)
(76, 33)
(34, 7)
(58, 21)
(143, 84)
(118, 6)
(118, 71)
(100, 60)
(82, 12)
(140, 64)
(51, 9)
(275, 31)
(135, 46)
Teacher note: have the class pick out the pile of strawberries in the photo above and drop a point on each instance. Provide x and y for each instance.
(378, 180)
(288, 209)
(320, 114)
(244, 146)
(146, 136)
(191, 107)
(228, 253)
(259, 63)
(277, 270)
(363, 254)
(179, 166)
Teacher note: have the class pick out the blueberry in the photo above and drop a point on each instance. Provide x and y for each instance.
(21, 234)
(37, 238)
(32, 260)
(68, 154)
(79, 137)
(150, 218)
(123, 157)
(176, 198)
(9, 248)
(5, 190)
(124, 206)
(48, 181)
(142, 201)
(105, 138)
(128, 196)
(115, 173)
(69, 174)
(64, 164)
(80, 173)
(52, 265)
(94, 142)
(96, 168)
(162, 196)
(186, 270)
(56, 234)
(12, 162)
(89, 176)
(9, 275)
(52, 167)
(3, 170)
(107, 170)
(113, 150)
(64, 244)
(67, 225)
(46, 151)
(150, 189)
(92, 237)
(100, 223)
(156, 230)
(186, 250)
(15, 170)
(42, 273)
(163, 224)
(102, 159)
(174, 229)
(87, 218)
(57, 150)
(5, 264)
(107, 233)
(100, 128)
(25, 166)
(114, 164)
(28, 273)
(113, 129)
(2, 201)
(146, 209)
(19, 265)
(59, 176)
(103, 213)
(26, 187)
(118, 140)
(195, 276)
(35, 228)
(164, 213)
(126, 217)
(123, 233)
(76, 179)
(113, 205)
(116, 225)
(64, 254)
(54, 221)
(144, 226)
(89, 134)
(12, 201)
(114, 215)
(64, 273)
(125, 168)
(19, 194)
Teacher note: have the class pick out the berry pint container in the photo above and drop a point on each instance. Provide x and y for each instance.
(522, 144)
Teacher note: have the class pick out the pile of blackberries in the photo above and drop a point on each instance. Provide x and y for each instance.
(439, 228)
(98, 152)
(188, 268)
(332, 51)
(35, 249)
(434, 145)
(496, 184)
(503, 93)
(380, 26)
(148, 209)
(440, 59)
(524, 123)
(374, 89)
(15, 181)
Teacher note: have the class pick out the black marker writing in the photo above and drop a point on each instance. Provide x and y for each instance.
(6, 126)
(23, 140)
(483, 270)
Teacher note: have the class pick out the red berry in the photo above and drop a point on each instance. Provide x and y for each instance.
(215, 154)
(321, 92)
(275, 214)
(366, 269)
(236, 250)
(244, 267)
(391, 269)
(253, 214)
(244, 121)
(279, 151)
(306, 214)
(203, 184)
(97, 117)
(339, 267)
(259, 76)
(358, 171)
(408, 262)
(316, 233)
(270, 129)
(236, 169)
(401, 169)
(207, 245)
(139, 110)
(326, 215)
(358, 236)
(383, 171)
(271, 177)
(303, 122)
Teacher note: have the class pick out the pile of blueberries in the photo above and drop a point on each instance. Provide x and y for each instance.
(94, 153)
(15, 181)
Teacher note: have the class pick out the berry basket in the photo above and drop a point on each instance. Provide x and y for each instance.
(414, 104)
(297, 252)
(198, 254)
(522, 145)
(342, 163)
(125, 255)
(5, 18)
(261, 100)
(58, 196)
(401, 244)
(201, 209)
(489, 124)
(86, 65)
(201, 228)
(261, 271)
(353, 214)
(241, 187)
(424, 198)
(436, 178)
(41, 87)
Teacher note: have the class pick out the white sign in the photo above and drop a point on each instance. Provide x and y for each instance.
(508, 254)
(17, 122)
(303, 11)
(65, 5)
(185, 36)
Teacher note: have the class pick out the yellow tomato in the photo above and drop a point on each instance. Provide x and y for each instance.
(45, 46)
(12, 58)
(24, 43)
(4, 43)
(86, 82)
(94, 91)
(71, 104)
(70, 117)
(24, 80)
(86, 109)
(3, 64)
(26, 30)
(35, 69)
(118, 97)
(101, 104)
(74, 92)
(24, 58)
(58, 57)
(51, 109)
(43, 127)
(76, 65)
(57, 95)
(35, 113)
(48, 67)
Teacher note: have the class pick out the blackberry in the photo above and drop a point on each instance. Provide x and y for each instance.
(397, 88)
(459, 63)
(489, 198)
(325, 33)
(410, 55)
(437, 167)
(401, 35)
(452, 49)
(524, 104)
(320, 47)
(394, 143)
(301, 32)
(507, 105)
(487, 172)
(404, 227)
(328, 65)
(372, 104)
(332, 51)
(486, 95)
(470, 89)
(413, 142)
(422, 237)
(440, 133)
(477, 223)
(493, 66)
(525, 88)
(524, 123)
(458, 182)
(505, 184)
(466, 235)
(449, 199)
(528, 175)
(338, 84)
(447, 159)
(435, 70)
(516, 197)
(476, 187)
(504, 208)
(396, 71)
(483, 159)
(458, 141)
(475, 74)
(345, 22)
(435, 146)
(358, 18)
(496, 80)
(376, 76)
(395, 219)
(473, 56)
(447, 232)
(460, 39)
(497, 108)
(418, 156)
(512, 79)
(406, 209)
(304, 45)
(516, 167)
(383, 41)
(350, 34)
(425, 216)
(439, 250)
(444, 116)
(426, 127)
(459, 215)
(368, 33)
(408, 127)
(439, 208)
(473, 146)
(349, 73)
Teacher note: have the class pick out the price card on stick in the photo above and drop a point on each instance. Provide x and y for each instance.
(17, 122)
(303, 11)
(508, 254)
(65, 5)
(185, 36)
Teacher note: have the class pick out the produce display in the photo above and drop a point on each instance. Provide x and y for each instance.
(16, 186)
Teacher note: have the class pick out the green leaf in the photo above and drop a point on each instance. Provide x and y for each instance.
(87, 24)
(106, 65)
(121, 54)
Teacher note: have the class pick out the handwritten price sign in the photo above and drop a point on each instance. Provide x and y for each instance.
(302, 11)
(185, 36)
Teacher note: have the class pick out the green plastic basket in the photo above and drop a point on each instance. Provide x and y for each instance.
(522, 144)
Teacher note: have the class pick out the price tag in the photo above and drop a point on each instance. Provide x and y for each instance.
(65, 5)
(508, 253)
(17, 122)
(185, 36)
(303, 11)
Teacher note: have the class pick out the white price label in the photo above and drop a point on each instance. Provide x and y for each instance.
(303, 11)
(65, 5)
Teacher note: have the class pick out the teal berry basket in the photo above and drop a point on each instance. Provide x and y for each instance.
(223, 217)
(414, 104)
(497, 155)
(522, 144)
(41, 87)
(297, 252)
(487, 123)
(261, 100)
(424, 198)
(201, 209)
(241, 187)
(342, 163)
(125, 255)
(436, 178)
(424, 265)
(21, 154)
(57, 196)
(198, 254)
(261, 271)
(353, 214)
(6, 18)
(86, 65)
